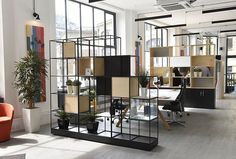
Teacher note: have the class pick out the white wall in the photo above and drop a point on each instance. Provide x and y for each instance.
(2, 75)
(15, 16)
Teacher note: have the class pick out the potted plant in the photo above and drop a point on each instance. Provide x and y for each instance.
(69, 86)
(91, 123)
(143, 81)
(197, 72)
(75, 86)
(28, 72)
(92, 95)
(64, 119)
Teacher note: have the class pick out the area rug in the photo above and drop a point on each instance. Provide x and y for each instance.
(20, 156)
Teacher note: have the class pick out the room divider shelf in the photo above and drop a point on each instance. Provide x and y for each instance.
(105, 77)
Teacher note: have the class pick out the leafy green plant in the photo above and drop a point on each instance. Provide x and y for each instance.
(61, 114)
(91, 93)
(196, 69)
(144, 79)
(69, 82)
(27, 77)
(76, 83)
(90, 117)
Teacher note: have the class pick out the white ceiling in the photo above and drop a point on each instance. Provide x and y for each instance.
(195, 20)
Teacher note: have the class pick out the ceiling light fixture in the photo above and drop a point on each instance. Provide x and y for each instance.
(170, 26)
(35, 15)
(155, 17)
(218, 10)
(223, 21)
(187, 34)
(92, 1)
(227, 31)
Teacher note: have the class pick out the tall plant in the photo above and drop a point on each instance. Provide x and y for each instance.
(27, 77)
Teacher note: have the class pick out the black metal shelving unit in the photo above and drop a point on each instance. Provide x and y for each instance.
(113, 76)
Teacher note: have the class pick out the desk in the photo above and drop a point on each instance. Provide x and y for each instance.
(166, 95)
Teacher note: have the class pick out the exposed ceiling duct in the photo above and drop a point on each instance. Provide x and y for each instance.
(173, 5)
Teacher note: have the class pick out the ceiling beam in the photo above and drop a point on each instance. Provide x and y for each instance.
(218, 10)
(155, 17)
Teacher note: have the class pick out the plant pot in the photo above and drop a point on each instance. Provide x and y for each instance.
(31, 119)
(195, 74)
(69, 89)
(92, 127)
(75, 89)
(63, 124)
(144, 92)
(199, 74)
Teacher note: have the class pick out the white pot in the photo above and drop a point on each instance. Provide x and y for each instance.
(69, 89)
(144, 92)
(195, 74)
(31, 118)
(75, 89)
(199, 74)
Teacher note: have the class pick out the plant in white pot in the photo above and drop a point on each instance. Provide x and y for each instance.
(195, 71)
(143, 81)
(28, 84)
(75, 86)
(69, 86)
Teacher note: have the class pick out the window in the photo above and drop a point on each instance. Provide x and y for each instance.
(153, 38)
(77, 20)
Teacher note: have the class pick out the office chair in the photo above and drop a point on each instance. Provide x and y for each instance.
(176, 107)
(118, 109)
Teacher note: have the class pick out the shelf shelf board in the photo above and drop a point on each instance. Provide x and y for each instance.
(145, 98)
(143, 118)
(202, 77)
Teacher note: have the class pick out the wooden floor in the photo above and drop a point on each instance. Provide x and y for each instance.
(209, 134)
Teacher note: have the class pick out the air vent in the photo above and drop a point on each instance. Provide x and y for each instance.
(172, 5)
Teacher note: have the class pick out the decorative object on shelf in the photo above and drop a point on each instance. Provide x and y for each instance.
(64, 119)
(88, 72)
(76, 86)
(143, 81)
(35, 41)
(200, 50)
(28, 73)
(69, 86)
(91, 123)
(197, 72)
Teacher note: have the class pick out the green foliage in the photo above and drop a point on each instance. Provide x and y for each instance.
(27, 77)
(76, 83)
(90, 117)
(69, 83)
(144, 79)
(61, 114)
(196, 69)
(92, 94)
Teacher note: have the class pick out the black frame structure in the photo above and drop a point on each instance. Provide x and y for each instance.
(230, 78)
(142, 129)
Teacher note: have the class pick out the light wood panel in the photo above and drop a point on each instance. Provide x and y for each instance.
(71, 103)
(69, 49)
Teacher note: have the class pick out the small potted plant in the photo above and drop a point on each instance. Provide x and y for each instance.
(92, 95)
(143, 81)
(197, 72)
(69, 86)
(91, 123)
(75, 87)
(64, 119)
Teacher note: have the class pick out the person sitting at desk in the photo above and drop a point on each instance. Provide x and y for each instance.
(176, 81)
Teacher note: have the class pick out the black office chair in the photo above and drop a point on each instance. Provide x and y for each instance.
(118, 110)
(176, 107)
